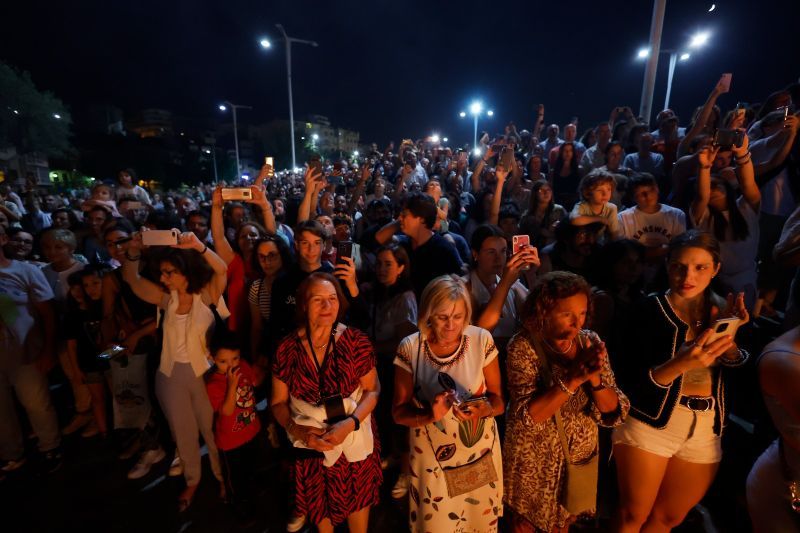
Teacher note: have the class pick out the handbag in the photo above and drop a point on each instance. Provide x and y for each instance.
(579, 491)
(467, 477)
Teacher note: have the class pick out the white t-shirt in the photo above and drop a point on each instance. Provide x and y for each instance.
(609, 212)
(21, 286)
(181, 354)
(776, 195)
(652, 230)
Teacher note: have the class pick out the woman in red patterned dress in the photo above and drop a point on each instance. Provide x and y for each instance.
(324, 387)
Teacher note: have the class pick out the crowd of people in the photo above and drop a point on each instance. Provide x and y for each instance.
(481, 325)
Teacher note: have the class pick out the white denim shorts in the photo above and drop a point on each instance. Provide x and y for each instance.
(689, 436)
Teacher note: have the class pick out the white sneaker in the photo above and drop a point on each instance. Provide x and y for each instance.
(400, 488)
(146, 462)
(295, 523)
(176, 466)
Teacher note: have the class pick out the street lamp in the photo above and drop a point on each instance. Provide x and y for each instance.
(476, 109)
(56, 116)
(224, 107)
(265, 43)
(213, 152)
(697, 41)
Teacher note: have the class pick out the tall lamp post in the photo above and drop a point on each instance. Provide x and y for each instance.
(697, 41)
(265, 43)
(224, 107)
(475, 109)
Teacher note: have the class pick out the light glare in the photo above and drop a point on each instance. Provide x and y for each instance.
(699, 39)
(490, 113)
(265, 43)
(56, 116)
(444, 140)
(685, 56)
(475, 108)
(462, 114)
(643, 53)
(434, 138)
(477, 151)
(222, 108)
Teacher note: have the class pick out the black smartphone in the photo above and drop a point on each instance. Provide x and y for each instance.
(315, 164)
(727, 139)
(507, 158)
(344, 249)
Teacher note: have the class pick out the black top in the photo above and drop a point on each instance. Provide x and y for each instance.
(654, 337)
(83, 326)
(435, 258)
(284, 301)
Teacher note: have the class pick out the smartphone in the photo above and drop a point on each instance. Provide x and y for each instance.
(723, 327)
(726, 139)
(238, 193)
(337, 166)
(316, 165)
(519, 243)
(344, 249)
(785, 110)
(725, 81)
(111, 353)
(160, 237)
(269, 161)
(507, 159)
(466, 404)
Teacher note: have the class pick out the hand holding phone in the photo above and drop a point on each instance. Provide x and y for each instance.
(160, 237)
(724, 84)
(518, 244)
(724, 327)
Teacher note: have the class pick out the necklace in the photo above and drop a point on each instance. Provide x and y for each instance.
(689, 322)
(556, 350)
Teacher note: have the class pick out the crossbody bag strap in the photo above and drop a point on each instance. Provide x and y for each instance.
(548, 375)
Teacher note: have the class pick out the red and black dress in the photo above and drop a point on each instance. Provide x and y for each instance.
(344, 488)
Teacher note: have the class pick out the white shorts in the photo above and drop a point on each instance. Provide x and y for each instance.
(689, 436)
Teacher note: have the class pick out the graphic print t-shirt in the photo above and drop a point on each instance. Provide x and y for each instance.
(236, 429)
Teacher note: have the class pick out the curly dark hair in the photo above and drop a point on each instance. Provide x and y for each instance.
(190, 263)
(546, 292)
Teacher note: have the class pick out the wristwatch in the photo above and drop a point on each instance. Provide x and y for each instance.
(355, 419)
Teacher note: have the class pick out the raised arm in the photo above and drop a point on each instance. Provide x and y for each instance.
(361, 185)
(309, 203)
(259, 199)
(720, 88)
(384, 235)
(700, 203)
(494, 211)
(143, 288)
(405, 173)
(746, 175)
(536, 134)
(491, 314)
(478, 170)
(785, 140)
(221, 244)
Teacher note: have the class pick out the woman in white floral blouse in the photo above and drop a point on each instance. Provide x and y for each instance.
(554, 366)
(447, 390)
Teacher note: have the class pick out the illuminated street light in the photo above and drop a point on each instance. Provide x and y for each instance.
(355, 153)
(234, 107)
(477, 151)
(16, 112)
(643, 53)
(685, 56)
(265, 43)
(56, 116)
(315, 137)
(434, 138)
(444, 139)
(699, 39)
(475, 109)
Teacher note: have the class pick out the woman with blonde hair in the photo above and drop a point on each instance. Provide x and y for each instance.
(448, 391)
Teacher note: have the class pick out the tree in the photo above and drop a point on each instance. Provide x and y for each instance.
(31, 120)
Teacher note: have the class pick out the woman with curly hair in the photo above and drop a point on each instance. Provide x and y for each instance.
(561, 389)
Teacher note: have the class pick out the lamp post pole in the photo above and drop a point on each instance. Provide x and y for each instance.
(234, 107)
(289, 40)
(648, 86)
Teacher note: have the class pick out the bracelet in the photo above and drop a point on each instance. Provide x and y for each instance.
(357, 421)
(205, 249)
(129, 258)
(564, 387)
(747, 154)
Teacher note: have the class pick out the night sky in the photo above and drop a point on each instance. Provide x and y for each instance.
(395, 69)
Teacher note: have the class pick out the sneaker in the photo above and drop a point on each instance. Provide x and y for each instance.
(146, 462)
(52, 461)
(10, 466)
(77, 422)
(90, 430)
(295, 523)
(176, 467)
(400, 488)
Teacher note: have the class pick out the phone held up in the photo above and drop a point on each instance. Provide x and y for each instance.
(237, 193)
(727, 139)
(723, 327)
(518, 244)
(160, 237)
(268, 160)
(344, 249)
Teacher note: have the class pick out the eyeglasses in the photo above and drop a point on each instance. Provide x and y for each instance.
(119, 242)
(272, 256)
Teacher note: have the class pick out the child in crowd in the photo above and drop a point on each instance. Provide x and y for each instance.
(236, 424)
(82, 331)
(596, 188)
(102, 195)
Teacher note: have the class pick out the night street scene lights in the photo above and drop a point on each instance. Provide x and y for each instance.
(233, 107)
(698, 40)
(266, 44)
(476, 110)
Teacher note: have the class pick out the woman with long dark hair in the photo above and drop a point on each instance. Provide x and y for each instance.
(731, 218)
(543, 215)
(565, 176)
(673, 370)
